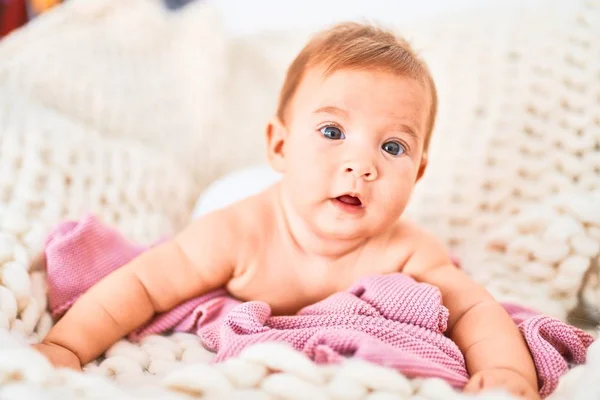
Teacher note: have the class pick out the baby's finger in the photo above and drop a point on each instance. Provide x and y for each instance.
(38, 263)
(516, 387)
(518, 390)
(479, 383)
(474, 385)
(523, 392)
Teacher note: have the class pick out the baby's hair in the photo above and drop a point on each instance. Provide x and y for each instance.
(352, 45)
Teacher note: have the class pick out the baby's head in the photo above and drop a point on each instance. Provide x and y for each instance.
(353, 125)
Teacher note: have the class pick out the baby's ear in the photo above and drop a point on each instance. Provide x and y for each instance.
(422, 167)
(276, 135)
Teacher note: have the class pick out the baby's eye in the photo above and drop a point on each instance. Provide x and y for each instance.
(394, 148)
(333, 133)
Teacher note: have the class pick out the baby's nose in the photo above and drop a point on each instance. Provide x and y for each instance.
(366, 171)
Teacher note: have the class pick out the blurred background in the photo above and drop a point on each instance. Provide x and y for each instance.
(138, 110)
(243, 17)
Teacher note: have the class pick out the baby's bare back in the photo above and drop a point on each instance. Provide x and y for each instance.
(271, 266)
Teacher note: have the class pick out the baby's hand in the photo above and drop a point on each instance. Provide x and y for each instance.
(59, 356)
(502, 378)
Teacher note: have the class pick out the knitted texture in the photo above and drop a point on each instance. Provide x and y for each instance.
(518, 126)
(549, 249)
(48, 175)
(160, 366)
(133, 70)
(390, 320)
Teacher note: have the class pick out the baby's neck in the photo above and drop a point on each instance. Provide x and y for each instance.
(307, 240)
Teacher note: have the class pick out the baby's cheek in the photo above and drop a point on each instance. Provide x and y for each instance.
(397, 195)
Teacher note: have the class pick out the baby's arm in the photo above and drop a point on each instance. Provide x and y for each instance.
(195, 261)
(495, 352)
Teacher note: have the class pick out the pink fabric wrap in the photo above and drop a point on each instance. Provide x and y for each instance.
(389, 320)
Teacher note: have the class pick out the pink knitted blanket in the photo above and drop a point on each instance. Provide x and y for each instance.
(389, 320)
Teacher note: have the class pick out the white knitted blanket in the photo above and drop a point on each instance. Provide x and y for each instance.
(127, 110)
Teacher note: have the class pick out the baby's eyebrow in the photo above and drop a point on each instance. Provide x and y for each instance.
(404, 128)
(332, 110)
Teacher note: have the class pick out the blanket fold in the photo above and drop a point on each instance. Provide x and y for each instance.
(390, 320)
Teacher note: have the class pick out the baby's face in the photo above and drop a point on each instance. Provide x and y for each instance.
(353, 149)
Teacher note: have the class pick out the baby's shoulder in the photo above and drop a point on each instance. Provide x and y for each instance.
(423, 247)
(255, 211)
(240, 219)
(250, 217)
(226, 235)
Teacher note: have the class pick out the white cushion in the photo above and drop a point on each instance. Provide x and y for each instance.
(235, 186)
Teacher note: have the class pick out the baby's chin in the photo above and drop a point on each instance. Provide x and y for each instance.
(336, 229)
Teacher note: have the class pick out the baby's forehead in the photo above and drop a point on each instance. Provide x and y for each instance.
(348, 86)
(318, 77)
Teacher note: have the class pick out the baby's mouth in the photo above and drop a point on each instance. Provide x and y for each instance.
(349, 200)
(349, 204)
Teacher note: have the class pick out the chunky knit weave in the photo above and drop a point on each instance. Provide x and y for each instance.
(90, 107)
(390, 320)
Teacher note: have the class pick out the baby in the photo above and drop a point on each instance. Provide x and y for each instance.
(350, 138)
